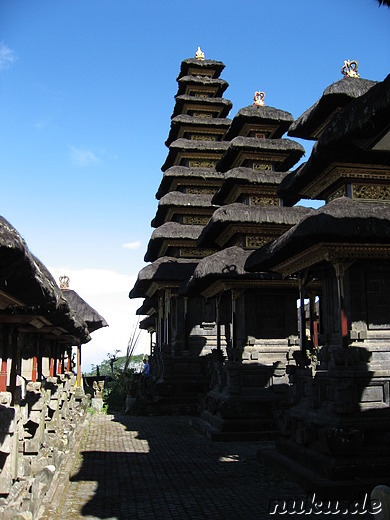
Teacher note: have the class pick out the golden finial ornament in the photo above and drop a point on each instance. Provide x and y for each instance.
(64, 282)
(199, 55)
(259, 98)
(350, 68)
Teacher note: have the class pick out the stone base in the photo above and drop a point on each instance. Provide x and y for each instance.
(97, 404)
(326, 476)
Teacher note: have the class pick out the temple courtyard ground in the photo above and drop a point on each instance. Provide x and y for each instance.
(159, 467)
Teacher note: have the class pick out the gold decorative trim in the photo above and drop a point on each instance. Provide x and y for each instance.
(192, 71)
(202, 163)
(257, 166)
(371, 192)
(186, 252)
(189, 219)
(203, 115)
(203, 137)
(267, 230)
(337, 194)
(263, 200)
(332, 253)
(257, 241)
(342, 171)
(198, 190)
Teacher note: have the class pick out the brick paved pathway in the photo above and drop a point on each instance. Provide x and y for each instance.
(160, 468)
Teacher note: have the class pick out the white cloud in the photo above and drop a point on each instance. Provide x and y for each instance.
(83, 157)
(132, 245)
(7, 56)
(108, 293)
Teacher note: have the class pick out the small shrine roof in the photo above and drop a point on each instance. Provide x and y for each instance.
(341, 221)
(223, 105)
(92, 318)
(337, 95)
(196, 123)
(164, 269)
(190, 63)
(180, 200)
(223, 265)
(363, 122)
(260, 114)
(206, 81)
(187, 145)
(243, 214)
(148, 306)
(261, 146)
(177, 172)
(148, 323)
(173, 231)
(242, 175)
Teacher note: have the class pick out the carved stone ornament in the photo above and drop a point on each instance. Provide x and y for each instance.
(64, 282)
(199, 55)
(349, 69)
(259, 98)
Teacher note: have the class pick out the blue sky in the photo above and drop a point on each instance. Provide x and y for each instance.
(86, 93)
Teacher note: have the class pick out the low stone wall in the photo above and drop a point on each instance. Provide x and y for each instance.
(36, 434)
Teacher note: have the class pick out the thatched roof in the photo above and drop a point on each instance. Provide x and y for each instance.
(176, 199)
(170, 231)
(227, 264)
(262, 146)
(242, 214)
(340, 221)
(22, 275)
(148, 323)
(190, 63)
(185, 172)
(334, 97)
(220, 84)
(187, 146)
(91, 317)
(165, 269)
(195, 123)
(221, 106)
(26, 278)
(264, 115)
(246, 176)
(362, 122)
(148, 306)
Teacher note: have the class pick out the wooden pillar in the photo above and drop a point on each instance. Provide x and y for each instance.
(234, 319)
(34, 368)
(51, 361)
(39, 356)
(167, 312)
(14, 361)
(160, 338)
(218, 321)
(313, 322)
(60, 363)
(78, 376)
(343, 322)
(302, 317)
(69, 362)
(4, 358)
